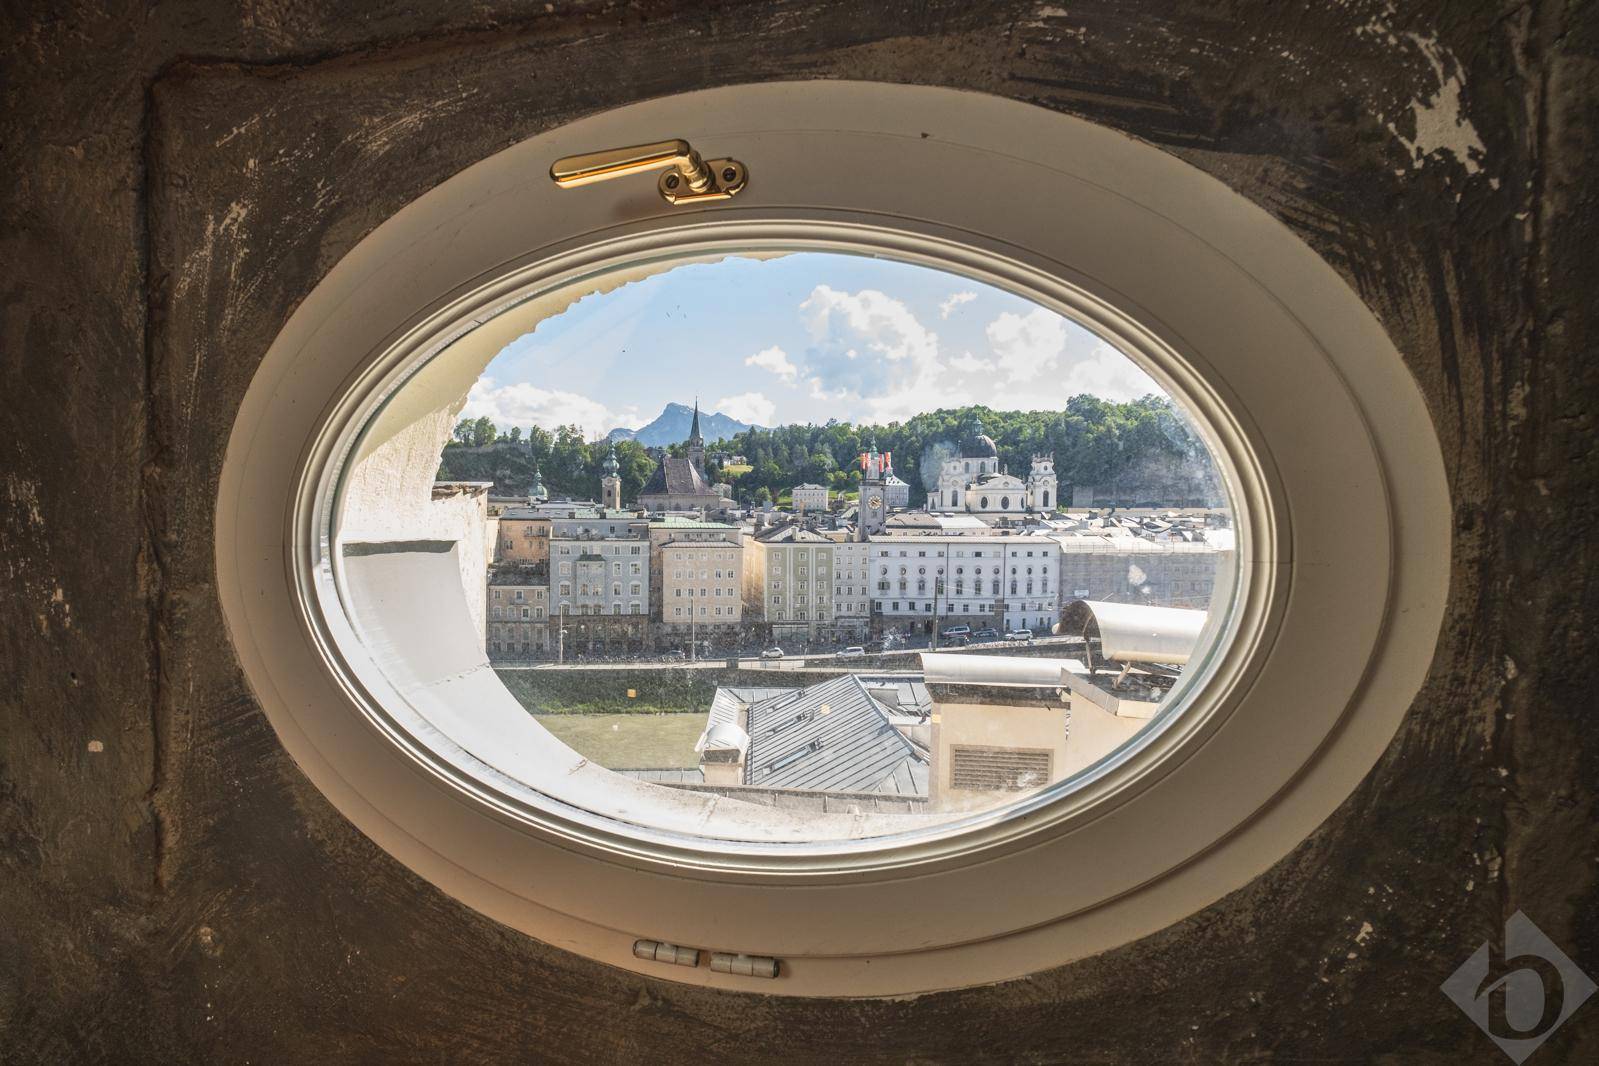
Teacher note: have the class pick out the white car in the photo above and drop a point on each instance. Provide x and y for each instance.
(854, 651)
(772, 653)
(1019, 634)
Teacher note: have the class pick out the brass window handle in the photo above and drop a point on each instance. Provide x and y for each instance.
(689, 179)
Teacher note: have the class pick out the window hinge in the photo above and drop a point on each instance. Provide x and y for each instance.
(721, 961)
(690, 179)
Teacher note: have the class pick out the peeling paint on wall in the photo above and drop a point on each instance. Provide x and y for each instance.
(1437, 122)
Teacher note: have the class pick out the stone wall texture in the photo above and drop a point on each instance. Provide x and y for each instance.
(177, 176)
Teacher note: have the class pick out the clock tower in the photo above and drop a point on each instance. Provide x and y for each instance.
(873, 509)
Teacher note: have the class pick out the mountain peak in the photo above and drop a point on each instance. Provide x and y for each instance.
(674, 422)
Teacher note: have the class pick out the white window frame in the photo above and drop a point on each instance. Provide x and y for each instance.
(1336, 477)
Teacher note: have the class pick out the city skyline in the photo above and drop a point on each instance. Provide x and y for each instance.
(796, 339)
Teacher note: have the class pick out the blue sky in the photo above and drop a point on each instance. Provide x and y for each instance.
(801, 338)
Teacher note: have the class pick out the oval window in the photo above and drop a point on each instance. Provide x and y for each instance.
(633, 552)
(566, 537)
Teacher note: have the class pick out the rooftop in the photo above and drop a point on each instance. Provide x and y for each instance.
(791, 533)
(519, 574)
(833, 737)
(676, 475)
(674, 522)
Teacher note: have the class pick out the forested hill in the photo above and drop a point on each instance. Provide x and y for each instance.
(1093, 441)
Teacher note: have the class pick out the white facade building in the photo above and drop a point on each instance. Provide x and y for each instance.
(852, 607)
(810, 497)
(999, 582)
(599, 566)
(896, 493)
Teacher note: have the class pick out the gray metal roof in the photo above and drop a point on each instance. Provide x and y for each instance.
(676, 476)
(832, 737)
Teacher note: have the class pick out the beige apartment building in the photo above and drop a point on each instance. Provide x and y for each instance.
(697, 572)
(788, 583)
(518, 611)
(523, 536)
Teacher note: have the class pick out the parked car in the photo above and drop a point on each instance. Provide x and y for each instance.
(1019, 634)
(854, 651)
(957, 631)
(772, 653)
(986, 634)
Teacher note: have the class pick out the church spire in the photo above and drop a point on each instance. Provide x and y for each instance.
(696, 443)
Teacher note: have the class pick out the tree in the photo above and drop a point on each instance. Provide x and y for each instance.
(539, 443)
(636, 467)
(567, 472)
(1094, 442)
(820, 466)
(515, 435)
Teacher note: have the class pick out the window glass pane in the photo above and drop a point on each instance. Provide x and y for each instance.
(791, 456)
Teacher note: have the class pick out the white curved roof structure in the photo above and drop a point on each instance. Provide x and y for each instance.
(998, 671)
(1134, 633)
(724, 736)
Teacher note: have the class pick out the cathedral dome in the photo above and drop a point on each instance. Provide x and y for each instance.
(979, 445)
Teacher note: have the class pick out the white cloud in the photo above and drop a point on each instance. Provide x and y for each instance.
(954, 301)
(967, 363)
(751, 407)
(776, 360)
(870, 358)
(876, 321)
(870, 353)
(1042, 360)
(1027, 345)
(524, 404)
(1108, 374)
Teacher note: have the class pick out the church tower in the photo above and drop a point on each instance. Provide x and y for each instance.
(611, 483)
(696, 443)
(1043, 491)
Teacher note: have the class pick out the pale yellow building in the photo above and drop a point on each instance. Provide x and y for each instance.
(698, 571)
(788, 583)
(523, 537)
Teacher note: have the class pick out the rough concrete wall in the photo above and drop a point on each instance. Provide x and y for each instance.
(179, 176)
